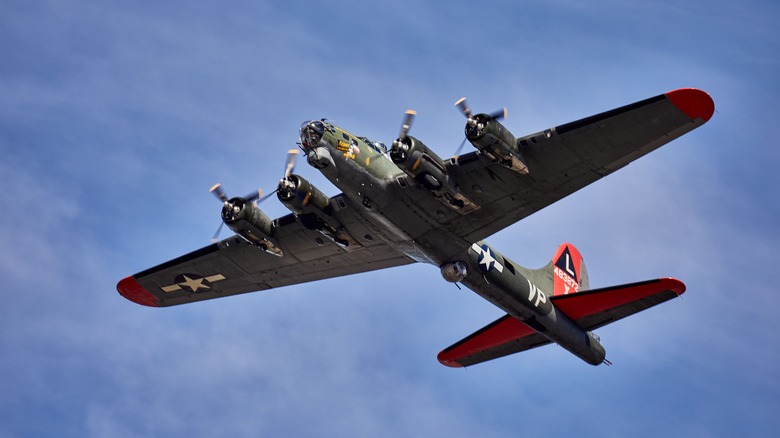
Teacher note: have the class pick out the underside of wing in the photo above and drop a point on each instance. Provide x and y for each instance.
(590, 309)
(566, 158)
(503, 337)
(234, 266)
(596, 308)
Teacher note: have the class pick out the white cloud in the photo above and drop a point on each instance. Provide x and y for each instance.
(118, 118)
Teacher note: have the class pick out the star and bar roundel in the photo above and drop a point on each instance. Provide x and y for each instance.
(192, 283)
(486, 259)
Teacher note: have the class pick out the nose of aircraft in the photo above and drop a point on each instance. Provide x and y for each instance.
(311, 133)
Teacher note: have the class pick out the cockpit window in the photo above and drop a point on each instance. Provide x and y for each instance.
(311, 133)
(381, 146)
(375, 145)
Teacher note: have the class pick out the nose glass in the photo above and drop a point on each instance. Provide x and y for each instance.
(311, 133)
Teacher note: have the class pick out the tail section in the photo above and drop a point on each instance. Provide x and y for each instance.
(563, 282)
(564, 275)
(568, 269)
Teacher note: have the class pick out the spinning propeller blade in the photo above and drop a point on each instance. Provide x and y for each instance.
(292, 155)
(498, 115)
(464, 107)
(215, 238)
(460, 148)
(407, 123)
(218, 192)
(254, 197)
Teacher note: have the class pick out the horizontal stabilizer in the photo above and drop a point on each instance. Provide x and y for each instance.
(505, 336)
(591, 309)
(596, 308)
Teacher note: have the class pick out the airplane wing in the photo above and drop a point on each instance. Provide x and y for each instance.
(566, 158)
(562, 160)
(233, 266)
(590, 309)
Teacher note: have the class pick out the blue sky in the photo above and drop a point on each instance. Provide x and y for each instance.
(116, 118)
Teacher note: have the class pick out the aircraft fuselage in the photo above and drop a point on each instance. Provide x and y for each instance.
(368, 177)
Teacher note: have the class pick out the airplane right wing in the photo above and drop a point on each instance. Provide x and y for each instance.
(233, 266)
(590, 309)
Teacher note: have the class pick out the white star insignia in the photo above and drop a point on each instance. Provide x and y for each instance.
(486, 258)
(194, 284)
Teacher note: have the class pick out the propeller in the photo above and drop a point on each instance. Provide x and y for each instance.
(217, 190)
(407, 123)
(255, 197)
(292, 156)
(399, 149)
(464, 108)
(215, 237)
(286, 185)
(460, 148)
(498, 115)
(472, 122)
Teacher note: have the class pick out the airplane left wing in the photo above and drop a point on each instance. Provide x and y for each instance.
(233, 266)
(566, 158)
(590, 309)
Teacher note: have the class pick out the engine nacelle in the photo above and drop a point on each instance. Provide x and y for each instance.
(312, 207)
(454, 272)
(493, 139)
(419, 162)
(249, 222)
(301, 197)
(422, 164)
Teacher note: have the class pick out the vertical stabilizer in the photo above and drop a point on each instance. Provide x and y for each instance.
(568, 269)
(565, 274)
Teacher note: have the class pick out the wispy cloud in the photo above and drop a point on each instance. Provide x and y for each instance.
(116, 118)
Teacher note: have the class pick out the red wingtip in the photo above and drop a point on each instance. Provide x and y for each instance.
(694, 103)
(130, 289)
(674, 285)
(444, 360)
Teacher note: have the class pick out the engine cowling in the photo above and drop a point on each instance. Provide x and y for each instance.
(249, 222)
(419, 162)
(425, 167)
(493, 139)
(301, 196)
(312, 207)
